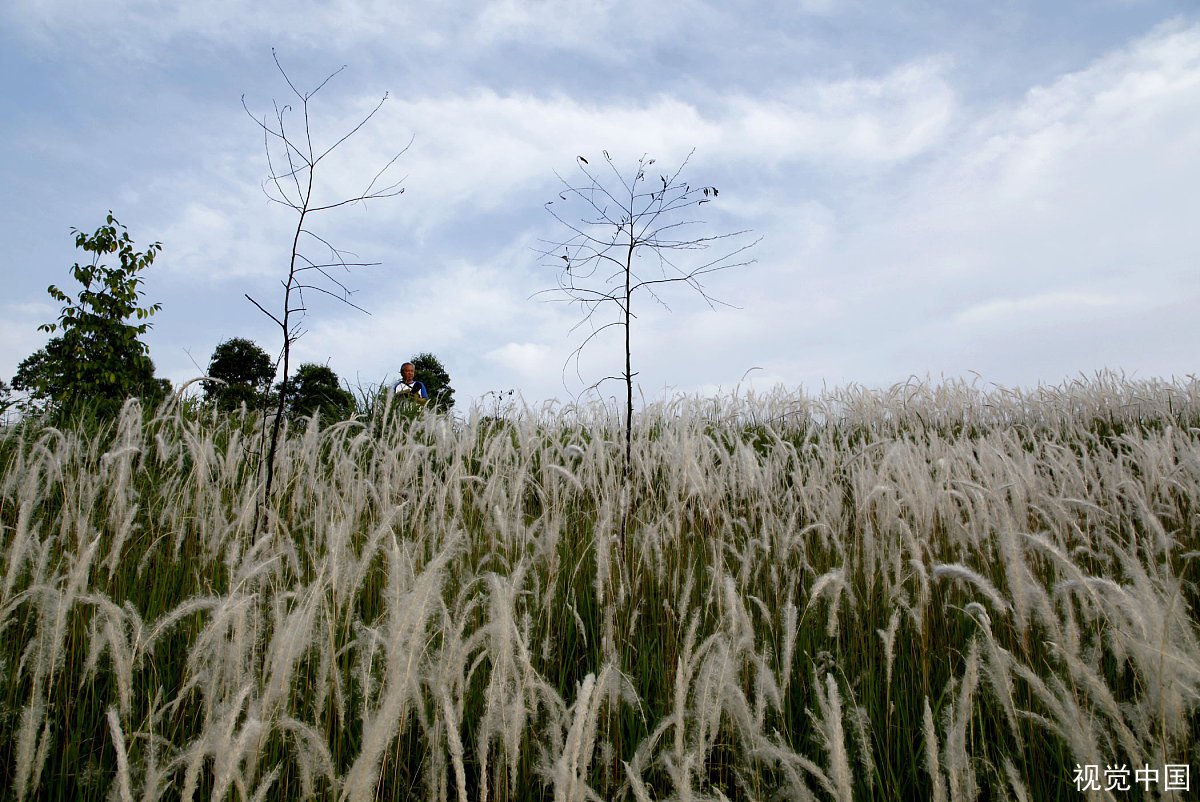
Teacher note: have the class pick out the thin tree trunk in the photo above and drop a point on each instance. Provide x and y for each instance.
(287, 345)
(626, 491)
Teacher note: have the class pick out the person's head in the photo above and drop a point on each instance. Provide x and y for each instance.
(407, 372)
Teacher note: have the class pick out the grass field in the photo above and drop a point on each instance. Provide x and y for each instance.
(930, 592)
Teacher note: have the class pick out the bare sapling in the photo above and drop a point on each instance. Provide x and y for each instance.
(292, 160)
(627, 235)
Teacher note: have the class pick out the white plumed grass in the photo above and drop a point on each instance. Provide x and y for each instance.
(928, 591)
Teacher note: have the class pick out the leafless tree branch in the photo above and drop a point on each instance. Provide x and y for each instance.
(622, 220)
(293, 186)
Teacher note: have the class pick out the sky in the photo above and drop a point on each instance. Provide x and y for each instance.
(1003, 191)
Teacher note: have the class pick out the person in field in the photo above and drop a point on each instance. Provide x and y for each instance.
(408, 386)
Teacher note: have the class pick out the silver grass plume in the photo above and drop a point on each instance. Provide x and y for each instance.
(829, 726)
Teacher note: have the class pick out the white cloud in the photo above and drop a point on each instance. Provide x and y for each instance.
(455, 308)
(149, 24)
(211, 243)
(599, 28)
(868, 120)
(525, 360)
(482, 151)
(1068, 186)
(1050, 306)
(1049, 236)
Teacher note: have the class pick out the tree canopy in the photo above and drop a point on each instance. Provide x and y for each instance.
(316, 388)
(98, 357)
(244, 371)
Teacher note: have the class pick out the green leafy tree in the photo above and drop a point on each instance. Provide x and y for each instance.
(316, 388)
(6, 401)
(431, 372)
(40, 375)
(244, 371)
(98, 357)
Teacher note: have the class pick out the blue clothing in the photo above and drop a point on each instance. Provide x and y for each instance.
(400, 388)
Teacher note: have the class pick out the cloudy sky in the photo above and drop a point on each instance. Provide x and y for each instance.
(1003, 189)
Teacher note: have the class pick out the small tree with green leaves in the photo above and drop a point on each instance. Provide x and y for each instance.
(242, 374)
(316, 388)
(98, 357)
(6, 401)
